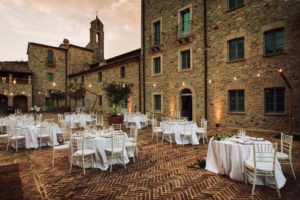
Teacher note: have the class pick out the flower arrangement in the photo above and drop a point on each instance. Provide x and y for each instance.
(35, 109)
(220, 137)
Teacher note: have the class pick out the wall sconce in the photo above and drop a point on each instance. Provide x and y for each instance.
(154, 85)
(123, 85)
(90, 85)
(209, 81)
(54, 84)
(183, 83)
(235, 78)
(258, 75)
(14, 81)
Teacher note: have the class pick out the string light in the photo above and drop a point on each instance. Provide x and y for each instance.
(258, 75)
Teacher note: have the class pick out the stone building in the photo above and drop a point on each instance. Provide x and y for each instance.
(220, 59)
(15, 86)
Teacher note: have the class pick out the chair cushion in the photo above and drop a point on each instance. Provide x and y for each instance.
(116, 150)
(282, 156)
(263, 166)
(86, 152)
(199, 130)
(3, 136)
(130, 144)
(19, 137)
(61, 147)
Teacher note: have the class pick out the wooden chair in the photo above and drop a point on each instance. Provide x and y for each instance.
(61, 148)
(187, 132)
(79, 153)
(285, 154)
(169, 133)
(132, 141)
(155, 129)
(262, 164)
(14, 138)
(116, 149)
(202, 131)
(44, 134)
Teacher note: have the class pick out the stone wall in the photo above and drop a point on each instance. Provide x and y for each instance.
(109, 73)
(250, 22)
(78, 59)
(172, 80)
(37, 62)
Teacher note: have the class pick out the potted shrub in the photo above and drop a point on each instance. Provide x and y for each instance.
(115, 93)
(76, 92)
(57, 95)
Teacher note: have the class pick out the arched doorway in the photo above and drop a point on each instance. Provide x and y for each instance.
(21, 102)
(186, 104)
(3, 104)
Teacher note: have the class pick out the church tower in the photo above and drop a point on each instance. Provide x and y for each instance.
(97, 40)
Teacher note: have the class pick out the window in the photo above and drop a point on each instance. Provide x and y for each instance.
(50, 58)
(156, 65)
(157, 102)
(122, 72)
(100, 100)
(236, 101)
(185, 23)
(185, 59)
(274, 41)
(235, 3)
(156, 28)
(99, 76)
(236, 49)
(82, 79)
(50, 77)
(275, 100)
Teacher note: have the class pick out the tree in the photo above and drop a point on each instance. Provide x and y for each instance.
(57, 95)
(116, 92)
(76, 91)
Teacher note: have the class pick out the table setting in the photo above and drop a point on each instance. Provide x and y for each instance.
(226, 155)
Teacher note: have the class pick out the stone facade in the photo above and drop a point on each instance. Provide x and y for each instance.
(110, 72)
(173, 80)
(252, 74)
(256, 71)
(15, 86)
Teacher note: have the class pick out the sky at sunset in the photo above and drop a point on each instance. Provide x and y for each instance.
(50, 21)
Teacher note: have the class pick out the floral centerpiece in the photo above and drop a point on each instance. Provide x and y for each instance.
(220, 137)
(35, 109)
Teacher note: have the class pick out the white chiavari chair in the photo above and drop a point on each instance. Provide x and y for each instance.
(132, 141)
(13, 138)
(168, 133)
(155, 129)
(262, 164)
(187, 132)
(285, 154)
(202, 132)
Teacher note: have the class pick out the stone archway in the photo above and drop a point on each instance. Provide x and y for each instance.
(21, 102)
(188, 92)
(3, 104)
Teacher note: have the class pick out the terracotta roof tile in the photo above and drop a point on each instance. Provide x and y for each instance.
(15, 66)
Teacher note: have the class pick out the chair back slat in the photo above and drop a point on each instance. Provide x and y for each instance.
(265, 153)
(286, 143)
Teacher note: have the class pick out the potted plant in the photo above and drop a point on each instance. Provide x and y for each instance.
(57, 95)
(115, 93)
(76, 92)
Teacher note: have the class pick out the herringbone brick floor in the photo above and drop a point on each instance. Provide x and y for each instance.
(160, 172)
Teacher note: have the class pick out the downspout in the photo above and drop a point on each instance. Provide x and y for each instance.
(66, 82)
(140, 87)
(205, 57)
(143, 50)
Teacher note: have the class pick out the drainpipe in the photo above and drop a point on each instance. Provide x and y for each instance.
(66, 81)
(143, 51)
(140, 87)
(205, 56)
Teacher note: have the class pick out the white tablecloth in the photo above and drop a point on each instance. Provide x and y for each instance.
(139, 119)
(99, 143)
(177, 128)
(16, 121)
(227, 157)
(78, 118)
(32, 132)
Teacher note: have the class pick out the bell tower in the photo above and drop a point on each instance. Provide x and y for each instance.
(97, 40)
